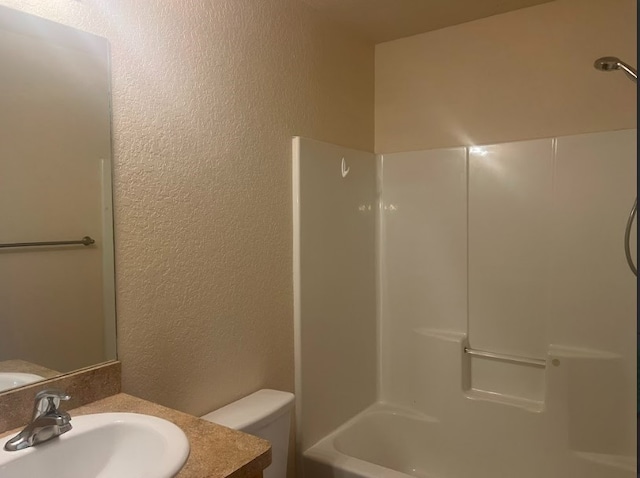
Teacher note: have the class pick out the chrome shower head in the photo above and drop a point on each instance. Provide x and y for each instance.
(611, 63)
(607, 63)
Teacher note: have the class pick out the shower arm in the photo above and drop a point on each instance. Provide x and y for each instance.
(631, 73)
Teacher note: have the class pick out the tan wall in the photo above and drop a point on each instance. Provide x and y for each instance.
(521, 75)
(206, 97)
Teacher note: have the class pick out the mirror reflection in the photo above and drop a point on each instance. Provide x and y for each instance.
(57, 304)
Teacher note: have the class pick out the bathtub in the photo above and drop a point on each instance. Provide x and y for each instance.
(390, 442)
(381, 442)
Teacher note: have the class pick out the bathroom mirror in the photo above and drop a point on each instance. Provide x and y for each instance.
(57, 298)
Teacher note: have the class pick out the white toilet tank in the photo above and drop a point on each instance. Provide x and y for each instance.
(266, 414)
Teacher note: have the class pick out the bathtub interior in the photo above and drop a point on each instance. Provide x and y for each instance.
(390, 442)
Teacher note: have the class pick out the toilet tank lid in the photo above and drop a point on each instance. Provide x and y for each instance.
(253, 410)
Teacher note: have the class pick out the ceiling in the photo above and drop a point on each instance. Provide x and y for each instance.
(384, 20)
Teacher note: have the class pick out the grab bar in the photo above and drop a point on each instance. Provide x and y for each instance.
(509, 358)
(85, 241)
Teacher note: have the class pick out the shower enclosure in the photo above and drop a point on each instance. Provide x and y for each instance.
(466, 311)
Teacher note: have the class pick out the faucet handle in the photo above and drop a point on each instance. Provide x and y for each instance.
(48, 401)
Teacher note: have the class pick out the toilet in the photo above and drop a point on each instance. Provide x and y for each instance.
(266, 414)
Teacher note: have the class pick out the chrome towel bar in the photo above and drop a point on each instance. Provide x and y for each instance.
(85, 241)
(509, 358)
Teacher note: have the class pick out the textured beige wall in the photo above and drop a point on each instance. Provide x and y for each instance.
(206, 97)
(521, 75)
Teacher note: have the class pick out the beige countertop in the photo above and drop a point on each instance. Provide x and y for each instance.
(216, 451)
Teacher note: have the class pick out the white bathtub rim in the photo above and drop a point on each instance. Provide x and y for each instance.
(333, 458)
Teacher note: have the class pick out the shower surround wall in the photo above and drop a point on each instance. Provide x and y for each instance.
(513, 248)
(530, 264)
(334, 209)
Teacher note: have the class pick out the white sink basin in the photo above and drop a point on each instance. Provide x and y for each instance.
(104, 445)
(10, 380)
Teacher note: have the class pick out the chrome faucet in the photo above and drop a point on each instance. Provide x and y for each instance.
(48, 422)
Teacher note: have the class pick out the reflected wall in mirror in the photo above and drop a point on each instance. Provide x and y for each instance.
(57, 302)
